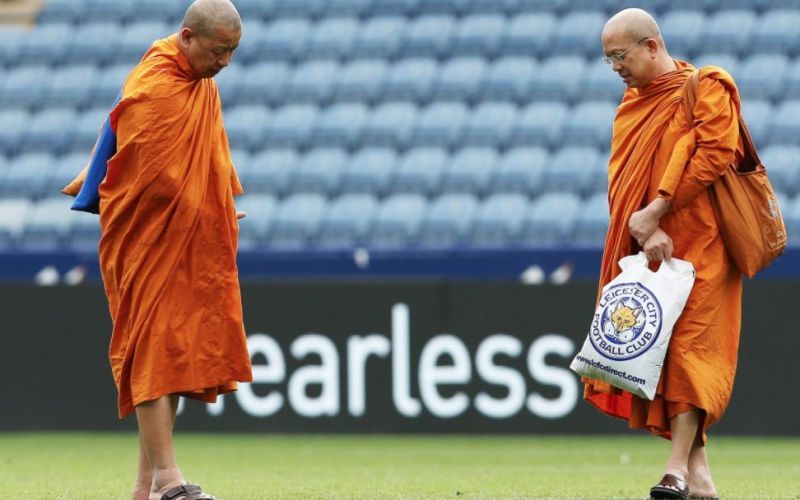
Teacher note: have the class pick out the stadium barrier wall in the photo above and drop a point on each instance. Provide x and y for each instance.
(445, 357)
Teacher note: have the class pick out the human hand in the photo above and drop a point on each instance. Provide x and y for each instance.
(643, 223)
(241, 214)
(658, 247)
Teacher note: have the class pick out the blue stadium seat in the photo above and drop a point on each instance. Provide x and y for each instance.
(728, 62)
(12, 123)
(530, 34)
(138, 37)
(341, 125)
(300, 8)
(12, 38)
(420, 171)
(591, 223)
(492, 6)
(255, 228)
(320, 171)
(757, 115)
(264, 83)
(369, 171)
(291, 125)
(27, 175)
(391, 124)
(781, 163)
(762, 76)
(553, 6)
(229, 83)
(312, 81)
(241, 164)
(448, 221)
(347, 221)
(398, 221)
(251, 45)
(254, 10)
(579, 33)
(777, 31)
(453, 7)
(460, 78)
(394, 7)
(65, 169)
(469, 171)
(360, 80)
(682, 29)
(285, 39)
(297, 221)
(49, 223)
(246, 126)
(550, 219)
(429, 36)
(510, 78)
(70, 86)
(598, 175)
(792, 81)
(559, 78)
(333, 38)
(46, 43)
(792, 219)
(63, 11)
(479, 35)
(571, 169)
(24, 85)
(499, 220)
(340, 8)
(441, 124)
(88, 127)
(14, 212)
(540, 124)
(272, 171)
(93, 43)
(381, 37)
(490, 124)
(590, 123)
(107, 86)
(521, 170)
(109, 10)
(411, 79)
(84, 233)
(51, 129)
(785, 126)
(729, 31)
(602, 82)
(159, 10)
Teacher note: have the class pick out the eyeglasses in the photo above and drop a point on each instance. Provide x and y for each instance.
(620, 56)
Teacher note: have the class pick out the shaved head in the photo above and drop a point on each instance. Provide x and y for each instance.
(203, 17)
(634, 23)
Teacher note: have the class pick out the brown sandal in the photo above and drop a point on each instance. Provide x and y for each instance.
(671, 486)
(186, 492)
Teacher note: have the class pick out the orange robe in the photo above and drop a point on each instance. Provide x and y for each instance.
(654, 153)
(169, 238)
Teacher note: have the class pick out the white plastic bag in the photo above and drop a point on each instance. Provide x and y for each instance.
(633, 323)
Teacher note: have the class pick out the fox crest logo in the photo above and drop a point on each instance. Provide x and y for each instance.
(627, 321)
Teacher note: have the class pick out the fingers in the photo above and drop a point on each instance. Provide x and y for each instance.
(241, 214)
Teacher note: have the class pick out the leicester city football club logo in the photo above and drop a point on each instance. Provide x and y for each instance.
(627, 322)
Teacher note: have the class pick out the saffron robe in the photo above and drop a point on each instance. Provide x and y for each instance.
(655, 152)
(169, 237)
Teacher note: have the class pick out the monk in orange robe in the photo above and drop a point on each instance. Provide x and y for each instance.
(659, 172)
(169, 240)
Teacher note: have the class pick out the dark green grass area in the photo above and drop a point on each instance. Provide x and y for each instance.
(102, 466)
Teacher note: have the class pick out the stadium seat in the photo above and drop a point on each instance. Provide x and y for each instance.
(56, 11)
(159, 10)
(591, 223)
(27, 175)
(291, 125)
(341, 8)
(469, 171)
(229, 83)
(297, 221)
(490, 124)
(499, 220)
(49, 223)
(729, 31)
(762, 76)
(69, 86)
(115, 11)
(791, 216)
(370, 171)
(411, 79)
(540, 124)
(571, 169)
(341, 125)
(257, 9)
(492, 6)
(398, 221)
(552, 6)
(479, 35)
(395, 7)
(452, 7)
(138, 37)
(46, 43)
(12, 38)
(757, 115)
(776, 32)
(241, 164)
(51, 129)
(590, 123)
(530, 34)
(381, 37)
(312, 81)
(347, 221)
(360, 80)
(300, 8)
(781, 163)
(285, 39)
(264, 83)
(579, 33)
(333, 38)
(24, 85)
(261, 211)
(785, 125)
(271, 171)
(94, 43)
(602, 82)
(64, 170)
(521, 170)
(550, 219)
(12, 123)
(682, 30)
(420, 171)
(728, 62)
(391, 124)
(429, 36)
(460, 79)
(448, 221)
(441, 124)
(14, 213)
(510, 79)
(559, 78)
(246, 126)
(105, 89)
(84, 233)
(252, 43)
(320, 171)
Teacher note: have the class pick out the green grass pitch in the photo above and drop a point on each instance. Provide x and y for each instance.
(102, 465)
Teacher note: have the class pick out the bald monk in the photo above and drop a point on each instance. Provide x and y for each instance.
(659, 172)
(169, 240)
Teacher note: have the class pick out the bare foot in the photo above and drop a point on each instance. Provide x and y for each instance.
(141, 491)
(163, 481)
(701, 485)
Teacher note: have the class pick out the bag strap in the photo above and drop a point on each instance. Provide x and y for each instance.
(750, 160)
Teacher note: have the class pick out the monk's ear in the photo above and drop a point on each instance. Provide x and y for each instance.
(186, 34)
(652, 46)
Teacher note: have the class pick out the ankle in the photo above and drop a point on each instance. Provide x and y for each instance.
(164, 479)
(678, 471)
